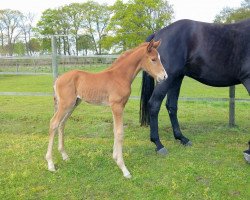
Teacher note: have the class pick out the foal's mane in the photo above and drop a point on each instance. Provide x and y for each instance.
(125, 54)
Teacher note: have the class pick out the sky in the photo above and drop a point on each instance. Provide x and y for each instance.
(200, 10)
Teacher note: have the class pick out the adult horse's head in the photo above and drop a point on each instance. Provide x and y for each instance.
(151, 62)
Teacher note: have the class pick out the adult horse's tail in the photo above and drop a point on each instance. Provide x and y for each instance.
(146, 92)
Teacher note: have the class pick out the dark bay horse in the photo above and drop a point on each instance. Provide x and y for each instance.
(111, 87)
(214, 54)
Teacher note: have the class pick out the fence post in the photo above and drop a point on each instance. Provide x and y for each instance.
(54, 57)
(232, 106)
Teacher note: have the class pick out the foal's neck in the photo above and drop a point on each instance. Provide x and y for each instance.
(128, 66)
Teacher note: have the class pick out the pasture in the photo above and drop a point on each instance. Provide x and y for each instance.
(213, 168)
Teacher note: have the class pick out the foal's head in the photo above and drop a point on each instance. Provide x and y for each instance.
(151, 62)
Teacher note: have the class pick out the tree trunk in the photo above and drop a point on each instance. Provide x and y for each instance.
(64, 46)
(77, 48)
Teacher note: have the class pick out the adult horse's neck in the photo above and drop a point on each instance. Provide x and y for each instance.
(127, 66)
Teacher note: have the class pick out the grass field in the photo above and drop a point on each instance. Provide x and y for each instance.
(213, 168)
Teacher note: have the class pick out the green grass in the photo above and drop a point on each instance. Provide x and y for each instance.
(43, 83)
(213, 168)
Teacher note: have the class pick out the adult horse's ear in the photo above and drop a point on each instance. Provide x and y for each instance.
(150, 45)
(157, 44)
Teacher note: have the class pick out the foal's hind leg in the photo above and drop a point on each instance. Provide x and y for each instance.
(117, 111)
(61, 131)
(61, 138)
(63, 109)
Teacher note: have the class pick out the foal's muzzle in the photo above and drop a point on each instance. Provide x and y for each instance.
(162, 77)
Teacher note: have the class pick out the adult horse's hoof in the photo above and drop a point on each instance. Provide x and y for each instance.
(247, 157)
(163, 151)
(189, 143)
(185, 142)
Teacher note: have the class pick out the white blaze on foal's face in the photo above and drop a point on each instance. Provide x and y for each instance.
(164, 74)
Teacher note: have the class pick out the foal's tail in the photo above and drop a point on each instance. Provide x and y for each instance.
(146, 92)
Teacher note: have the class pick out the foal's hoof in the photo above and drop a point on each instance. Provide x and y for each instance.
(51, 169)
(65, 157)
(247, 157)
(163, 151)
(128, 176)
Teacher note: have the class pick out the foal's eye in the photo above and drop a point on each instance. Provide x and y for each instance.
(153, 59)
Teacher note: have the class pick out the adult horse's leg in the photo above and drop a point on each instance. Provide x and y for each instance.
(154, 105)
(172, 107)
(247, 153)
(61, 131)
(117, 110)
(246, 83)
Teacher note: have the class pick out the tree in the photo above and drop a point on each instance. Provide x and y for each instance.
(75, 18)
(54, 22)
(26, 27)
(97, 17)
(2, 34)
(230, 15)
(132, 22)
(19, 48)
(85, 43)
(34, 45)
(246, 4)
(10, 27)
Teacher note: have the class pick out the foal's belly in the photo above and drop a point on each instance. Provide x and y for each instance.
(95, 97)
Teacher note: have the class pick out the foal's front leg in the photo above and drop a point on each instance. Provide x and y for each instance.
(117, 111)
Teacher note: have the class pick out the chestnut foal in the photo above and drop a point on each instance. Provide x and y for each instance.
(110, 87)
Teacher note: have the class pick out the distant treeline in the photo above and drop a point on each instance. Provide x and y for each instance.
(92, 27)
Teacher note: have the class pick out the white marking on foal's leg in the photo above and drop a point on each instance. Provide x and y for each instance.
(126, 173)
(63, 152)
(61, 143)
(48, 157)
(54, 125)
(51, 166)
(118, 139)
(61, 135)
(118, 157)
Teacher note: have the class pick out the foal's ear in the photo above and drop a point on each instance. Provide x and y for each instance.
(150, 45)
(157, 44)
(153, 44)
